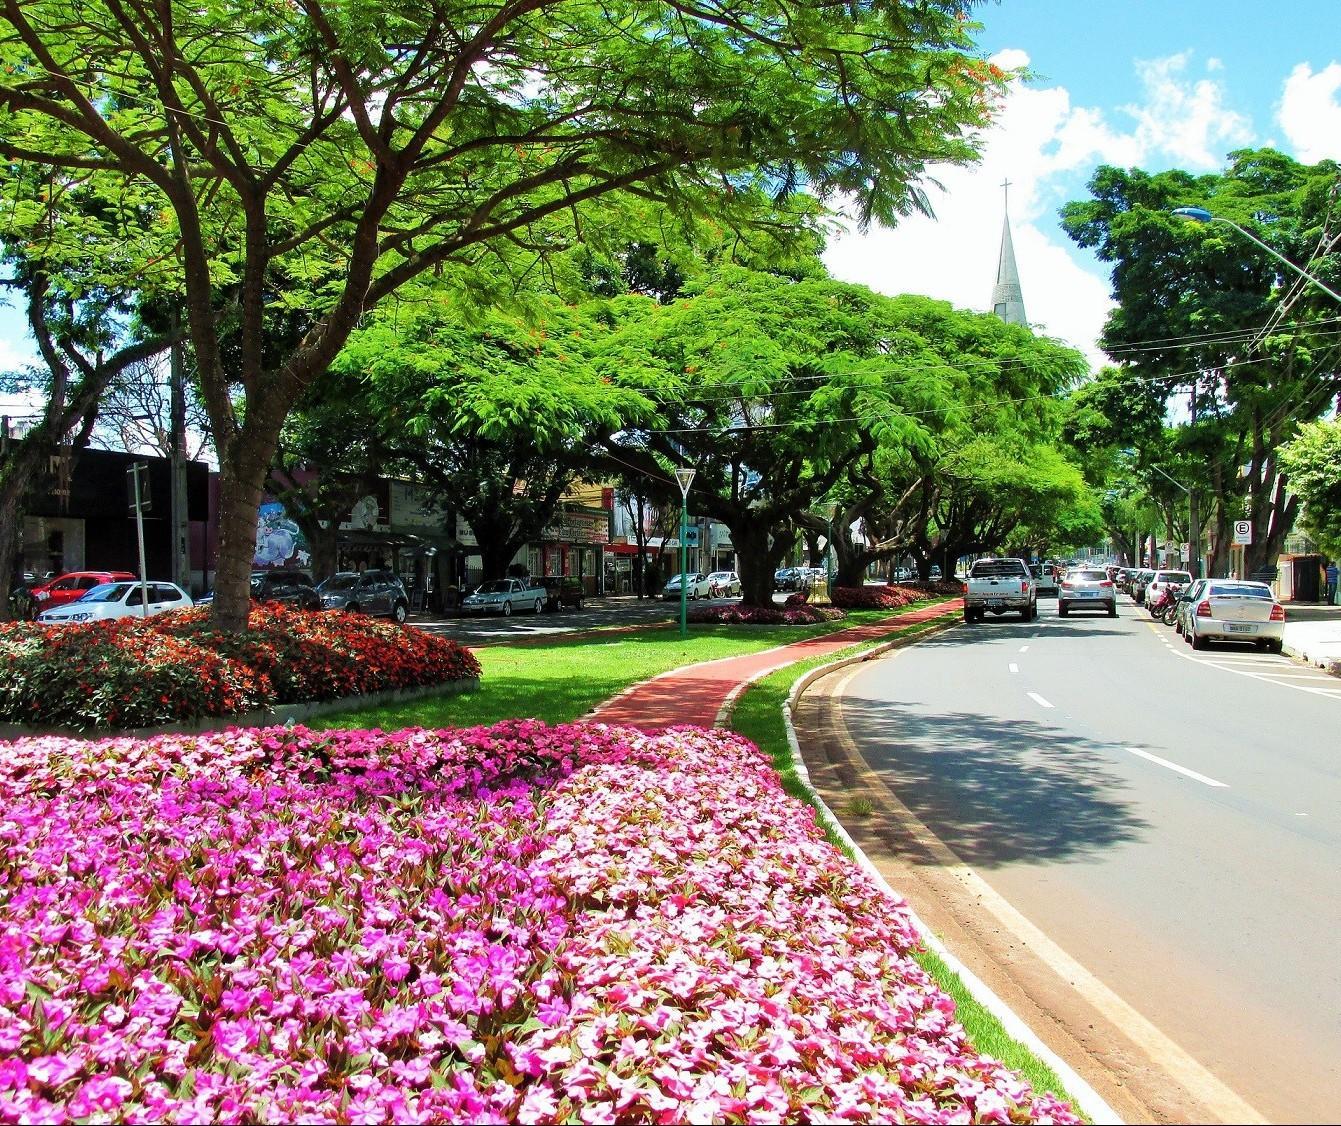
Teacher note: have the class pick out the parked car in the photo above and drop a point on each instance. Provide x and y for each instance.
(292, 587)
(1086, 588)
(559, 591)
(1155, 587)
(1235, 610)
(506, 597)
(935, 573)
(789, 578)
(725, 584)
(697, 587)
(119, 600)
(1139, 581)
(380, 593)
(1045, 579)
(1187, 602)
(72, 587)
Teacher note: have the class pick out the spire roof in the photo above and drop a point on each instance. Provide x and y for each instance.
(1007, 300)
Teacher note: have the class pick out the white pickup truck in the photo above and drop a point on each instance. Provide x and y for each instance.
(997, 585)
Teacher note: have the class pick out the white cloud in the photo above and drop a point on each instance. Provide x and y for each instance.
(1187, 121)
(1310, 112)
(1046, 147)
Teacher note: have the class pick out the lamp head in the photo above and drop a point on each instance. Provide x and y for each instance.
(684, 477)
(1196, 214)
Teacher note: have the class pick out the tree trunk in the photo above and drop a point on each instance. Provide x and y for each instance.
(759, 556)
(11, 539)
(241, 482)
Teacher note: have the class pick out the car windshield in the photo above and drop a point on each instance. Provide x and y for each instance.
(346, 580)
(992, 568)
(1173, 577)
(1240, 590)
(107, 592)
(498, 586)
(1088, 576)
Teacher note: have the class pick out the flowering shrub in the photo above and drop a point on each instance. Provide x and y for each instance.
(800, 598)
(873, 597)
(517, 923)
(175, 667)
(802, 614)
(950, 587)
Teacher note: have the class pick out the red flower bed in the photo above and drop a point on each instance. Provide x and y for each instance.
(874, 597)
(176, 667)
(789, 615)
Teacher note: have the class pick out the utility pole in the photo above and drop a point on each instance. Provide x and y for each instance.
(181, 552)
(1194, 507)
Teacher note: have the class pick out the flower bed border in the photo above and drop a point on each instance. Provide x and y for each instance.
(258, 717)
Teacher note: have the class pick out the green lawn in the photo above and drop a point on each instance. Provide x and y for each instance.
(758, 716)
(561, 680)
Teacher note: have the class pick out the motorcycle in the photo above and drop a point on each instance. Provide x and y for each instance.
(1165, 606)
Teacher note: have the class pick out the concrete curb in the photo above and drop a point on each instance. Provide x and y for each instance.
(1091, 1104)
(1330, 659)
(262, 717)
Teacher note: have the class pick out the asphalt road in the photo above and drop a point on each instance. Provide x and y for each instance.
(1170, 819)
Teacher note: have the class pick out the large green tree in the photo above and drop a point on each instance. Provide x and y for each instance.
(1220, 333)
(312, 156)
(1313, 462)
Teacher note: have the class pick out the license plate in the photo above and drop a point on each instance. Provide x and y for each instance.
(1087, 594)
(995, 604)
(1235, 627)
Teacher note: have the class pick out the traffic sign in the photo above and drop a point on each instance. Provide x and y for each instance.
(691, 536)
(1243, 531)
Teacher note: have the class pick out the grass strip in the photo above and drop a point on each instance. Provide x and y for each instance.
(758, 717)
(560, 680)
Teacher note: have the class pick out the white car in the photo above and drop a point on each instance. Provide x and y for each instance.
(1234, 610)
(696, 587)
(118, 600)
(1155, 587)
(724, 584)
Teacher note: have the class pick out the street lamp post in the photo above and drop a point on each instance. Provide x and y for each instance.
(684, 477)
(1201, 215)
(1193, 531)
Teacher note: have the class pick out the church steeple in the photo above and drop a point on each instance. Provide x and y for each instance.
(1007, 300)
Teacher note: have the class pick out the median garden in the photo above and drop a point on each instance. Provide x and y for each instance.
(514, 923)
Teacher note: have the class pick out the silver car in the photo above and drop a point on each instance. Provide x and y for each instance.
(1086, 588)
(1235, 610)
(376, 592)
(119, 600)
(503, 596)
(696, 586)
(725, 584)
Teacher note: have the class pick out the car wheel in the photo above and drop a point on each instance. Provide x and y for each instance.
(351, 607)
(1062, 609)
(1199, 642)
(1112, 609)
(538, 607)
(399, 613)
(969, 617)
(507, 609)
(1276, 645)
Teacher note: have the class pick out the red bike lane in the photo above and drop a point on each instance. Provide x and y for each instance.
(696, 694)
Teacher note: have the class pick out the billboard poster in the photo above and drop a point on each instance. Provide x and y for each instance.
(279, 541)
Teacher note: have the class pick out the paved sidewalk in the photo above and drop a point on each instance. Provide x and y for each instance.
(1313, 633)
(696, 694)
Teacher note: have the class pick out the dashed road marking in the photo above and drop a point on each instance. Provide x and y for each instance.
(1037, 699)
(1013, 667)
(1180, 769)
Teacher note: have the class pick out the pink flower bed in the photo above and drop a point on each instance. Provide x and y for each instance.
(734, 613)
(874, 597)
(517, 923)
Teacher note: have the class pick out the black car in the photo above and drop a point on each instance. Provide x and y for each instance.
(560, 592)
(292, 587)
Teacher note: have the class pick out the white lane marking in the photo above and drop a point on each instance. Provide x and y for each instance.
(1037, 699)
(1236, 664)
(1180, 769)
(1013, 667)
(1024, 649)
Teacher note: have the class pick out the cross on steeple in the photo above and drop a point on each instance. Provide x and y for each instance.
(1005, 186)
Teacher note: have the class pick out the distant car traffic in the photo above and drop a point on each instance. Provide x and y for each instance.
(380, 593)
(724, 584)
(1234, 610)
(1162, 579)
(119, 600)
(1086, 588)
(294, 588)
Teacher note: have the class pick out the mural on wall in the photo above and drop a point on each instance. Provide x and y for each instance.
(279, 541)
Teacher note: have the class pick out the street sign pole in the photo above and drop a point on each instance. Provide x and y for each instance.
(137, 498)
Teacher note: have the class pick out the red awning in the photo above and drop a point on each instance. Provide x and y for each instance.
(626, 549)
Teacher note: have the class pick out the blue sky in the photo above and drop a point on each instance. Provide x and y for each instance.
(1172, 84)
(1150, 83)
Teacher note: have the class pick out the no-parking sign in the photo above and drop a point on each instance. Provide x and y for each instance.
(1243, 531)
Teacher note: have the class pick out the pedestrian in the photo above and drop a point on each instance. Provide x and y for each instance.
(1331, 582)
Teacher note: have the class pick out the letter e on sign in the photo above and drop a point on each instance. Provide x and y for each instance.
(1243, 531)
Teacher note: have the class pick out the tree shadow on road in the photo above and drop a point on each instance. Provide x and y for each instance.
(997, 792)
